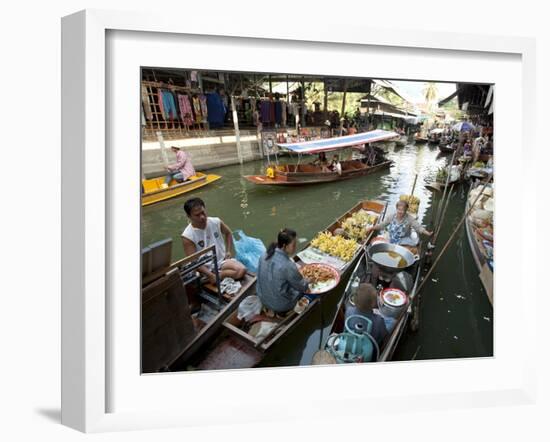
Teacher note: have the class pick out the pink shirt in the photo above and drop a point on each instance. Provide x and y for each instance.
(183, 164)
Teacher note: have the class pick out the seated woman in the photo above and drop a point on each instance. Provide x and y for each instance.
(335, 165)
(400, 226)
(321, 162)
(280, 285)
(365, 305)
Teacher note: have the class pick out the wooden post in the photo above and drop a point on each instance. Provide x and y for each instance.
(325, 103)
(163, 154)
(237, 131)
(270, 86)
(343, 107)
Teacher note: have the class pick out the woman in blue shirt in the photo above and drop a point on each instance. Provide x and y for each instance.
(280, 285)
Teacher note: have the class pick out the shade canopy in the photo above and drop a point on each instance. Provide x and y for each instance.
(463, 126)
(336, 143)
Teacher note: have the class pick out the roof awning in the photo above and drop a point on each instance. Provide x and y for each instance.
(336, 143)
(449, 98)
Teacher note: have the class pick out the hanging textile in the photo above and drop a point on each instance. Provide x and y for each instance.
(170, 110)
(146, 103)
(197, 109)
(283, 114)
(265, 112)
(278, 112)
(216, 110)
(186, 110)
(204, 107)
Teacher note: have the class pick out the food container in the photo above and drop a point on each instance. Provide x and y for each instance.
(392, 301)
(316, 288)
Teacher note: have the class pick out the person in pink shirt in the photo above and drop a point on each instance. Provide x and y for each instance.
(182, 170)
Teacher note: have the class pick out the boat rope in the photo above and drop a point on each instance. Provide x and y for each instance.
(457, 228)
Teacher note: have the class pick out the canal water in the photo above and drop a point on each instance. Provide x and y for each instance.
(456, 316)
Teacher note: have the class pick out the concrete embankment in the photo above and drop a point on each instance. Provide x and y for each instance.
(210, 151)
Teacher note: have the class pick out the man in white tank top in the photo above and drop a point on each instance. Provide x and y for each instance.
(204, 231)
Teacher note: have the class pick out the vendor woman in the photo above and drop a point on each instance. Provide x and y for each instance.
(280, 285)
(399, 226)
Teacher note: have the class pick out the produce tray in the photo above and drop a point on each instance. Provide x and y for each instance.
(311, 255)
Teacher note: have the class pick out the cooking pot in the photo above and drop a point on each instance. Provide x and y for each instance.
(406, 254)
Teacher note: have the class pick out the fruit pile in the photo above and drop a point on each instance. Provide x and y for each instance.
(356, 225)
(335, 245)
(414, 202)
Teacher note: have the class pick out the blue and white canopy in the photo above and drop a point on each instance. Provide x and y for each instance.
(463, 126)
(336, 143)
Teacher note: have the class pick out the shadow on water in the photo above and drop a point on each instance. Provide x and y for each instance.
(456, 315)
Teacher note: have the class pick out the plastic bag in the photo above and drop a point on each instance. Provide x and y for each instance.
(249, 307)
(248, 250)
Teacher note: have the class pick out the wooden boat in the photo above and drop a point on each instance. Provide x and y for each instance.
(234, 347)
(365, 271)
(446, 149)
(300, 174)
(153, 192)
(435, 135)
(179, 310)
(480, 251)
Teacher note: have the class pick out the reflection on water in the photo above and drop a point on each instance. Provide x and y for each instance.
(455, 307)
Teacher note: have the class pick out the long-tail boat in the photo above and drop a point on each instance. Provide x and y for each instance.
(303, 173)
(407, 280)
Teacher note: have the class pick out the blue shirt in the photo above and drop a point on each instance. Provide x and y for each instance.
(279, 285)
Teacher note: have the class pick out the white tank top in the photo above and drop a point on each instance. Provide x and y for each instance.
(203, 238)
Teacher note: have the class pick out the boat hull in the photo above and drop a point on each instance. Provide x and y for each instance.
(315, 177)
(154, 193)
(476, 246)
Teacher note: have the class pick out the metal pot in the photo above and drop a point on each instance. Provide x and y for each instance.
(406, 254)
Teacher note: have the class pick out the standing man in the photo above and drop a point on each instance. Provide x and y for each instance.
(182, 170)
(204, 231)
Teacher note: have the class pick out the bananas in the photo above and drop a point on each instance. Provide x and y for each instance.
(413, 201)
(335, 245)
(355, 225)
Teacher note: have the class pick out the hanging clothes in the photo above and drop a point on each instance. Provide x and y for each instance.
(265, 112)
(197, 109)
(170, 110)
(216, 109)
(186, 111)
(278, 112)
(204, 107)
(146, 103)
(283, 114)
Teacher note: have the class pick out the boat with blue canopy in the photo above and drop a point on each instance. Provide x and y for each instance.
(370, 159)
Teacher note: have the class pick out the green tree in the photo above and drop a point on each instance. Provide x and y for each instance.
(430, 94)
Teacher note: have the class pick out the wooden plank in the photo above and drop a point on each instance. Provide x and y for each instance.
(166, 322)
(211, 329)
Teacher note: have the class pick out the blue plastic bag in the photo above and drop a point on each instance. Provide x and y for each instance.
(248, 250)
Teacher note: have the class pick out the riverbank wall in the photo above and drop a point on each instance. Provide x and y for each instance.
(212, 150)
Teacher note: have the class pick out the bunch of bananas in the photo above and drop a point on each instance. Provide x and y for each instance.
(413, 201)
(355, 226)
(335, 245)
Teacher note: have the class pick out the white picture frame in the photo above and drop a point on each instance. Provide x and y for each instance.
(87, 214)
